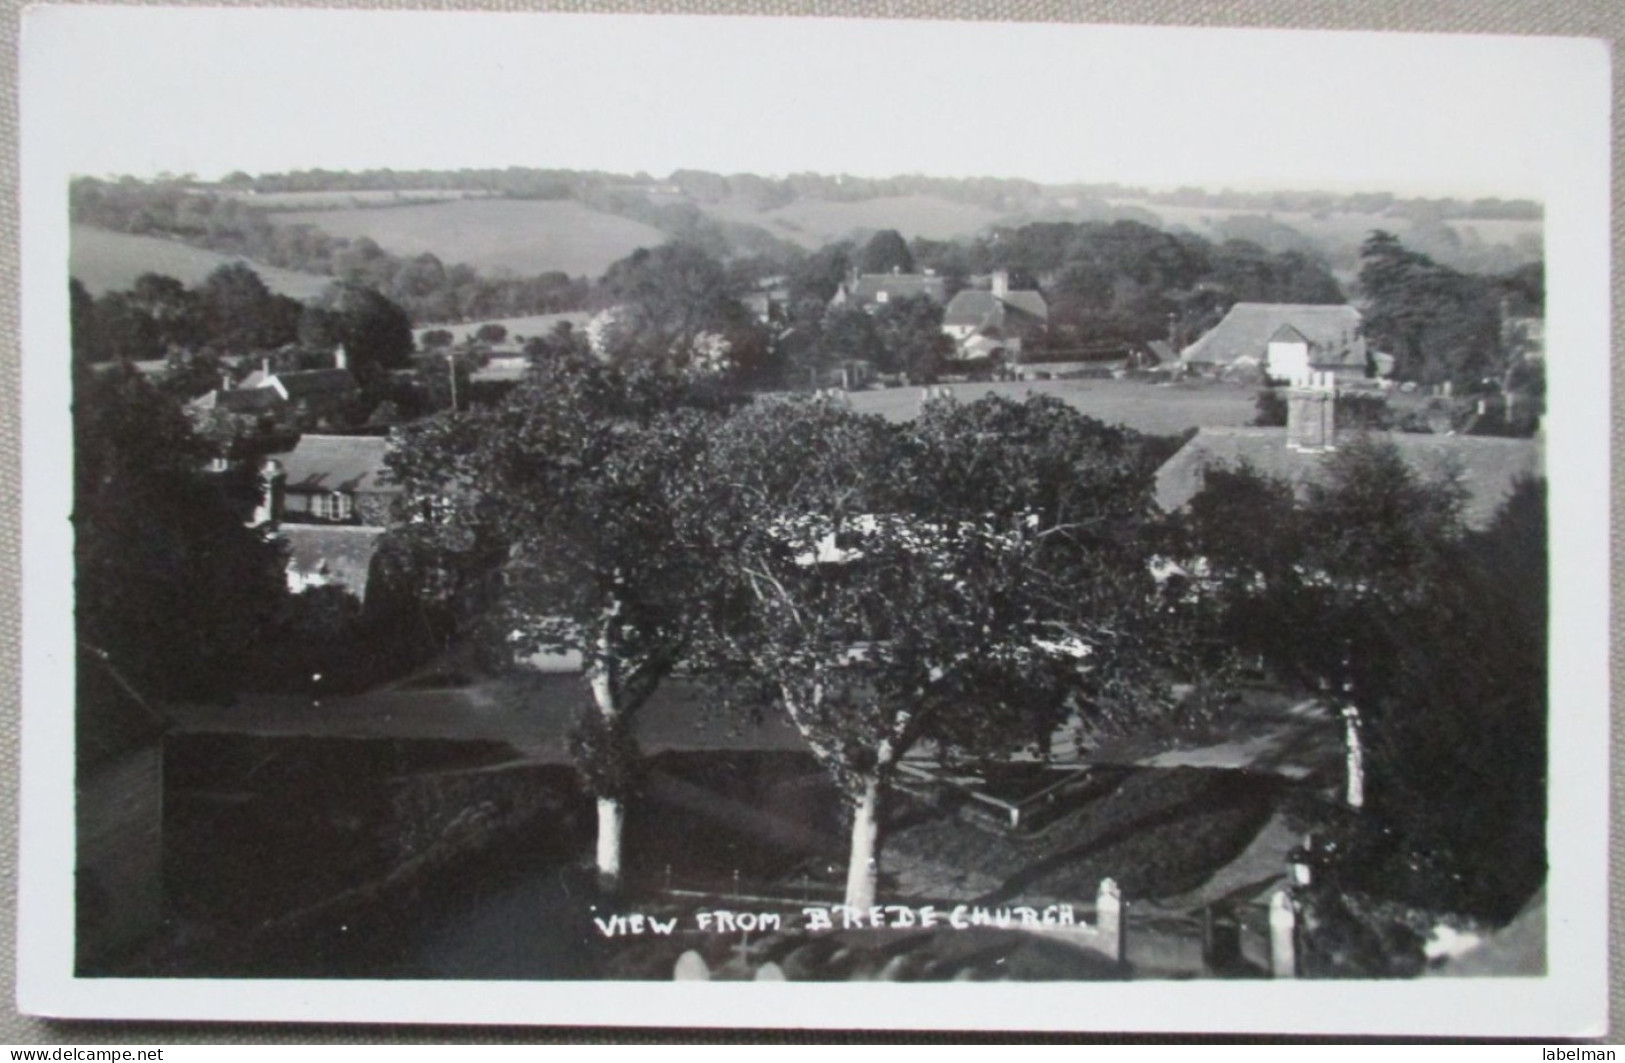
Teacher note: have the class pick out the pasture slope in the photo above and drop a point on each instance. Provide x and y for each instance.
(519, 236)
(812, 223)
(106, 261)
(1156, 409)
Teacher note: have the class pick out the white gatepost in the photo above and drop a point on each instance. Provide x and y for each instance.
(1109, 923)
(1355, 758)
(1283, 936)
(691, 967)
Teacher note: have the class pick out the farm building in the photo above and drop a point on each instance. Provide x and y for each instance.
(1488, 468)
(1282, 340)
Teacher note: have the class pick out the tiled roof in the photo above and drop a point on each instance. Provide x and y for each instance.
(316, 383)
(1332, 331)
(1488, 467)
(340, 554)
(978, 309)
(353, 464)
(238, 400)
(898, 286)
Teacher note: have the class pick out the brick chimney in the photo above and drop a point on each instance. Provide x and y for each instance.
(1311, 413)
(1001, 283)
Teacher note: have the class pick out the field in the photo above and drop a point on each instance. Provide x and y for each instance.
(812, 223)
(107, 261)
(528, 327)
(357, 198)
(523, 237)
(1157, 409)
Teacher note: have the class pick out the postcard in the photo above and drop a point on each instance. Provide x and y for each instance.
(528, 517)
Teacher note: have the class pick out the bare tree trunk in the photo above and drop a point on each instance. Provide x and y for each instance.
(611, 817)
(611, 810)
(863, 867)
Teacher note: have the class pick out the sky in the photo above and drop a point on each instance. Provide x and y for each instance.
(141, 91)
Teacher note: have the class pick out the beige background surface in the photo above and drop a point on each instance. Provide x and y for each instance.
(1578, 18)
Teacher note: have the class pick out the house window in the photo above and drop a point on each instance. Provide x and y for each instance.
(331, 507)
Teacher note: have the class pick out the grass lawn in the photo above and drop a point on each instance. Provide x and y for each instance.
(524, 237)
(1157, 409)
(106, 261)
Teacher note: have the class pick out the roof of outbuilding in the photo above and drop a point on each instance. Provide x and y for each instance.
(339, 553)
(975, 308)
(352, 464)
(1488, 467)
(1332, 332)
(317, 383)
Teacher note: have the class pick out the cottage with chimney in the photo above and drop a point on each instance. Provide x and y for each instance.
(1488, 468)
(330, 500)
(999, 318)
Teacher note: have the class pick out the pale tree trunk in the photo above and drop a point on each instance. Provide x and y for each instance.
(611, 810)
(611, 817)
(863, 866)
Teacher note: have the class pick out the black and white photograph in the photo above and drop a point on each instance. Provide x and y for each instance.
(957, 525)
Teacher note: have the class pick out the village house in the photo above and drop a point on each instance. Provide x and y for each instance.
(1286, 342)
(330, 500)
(998, 319)
(309, 393)
(1488, 468)
(870, 291)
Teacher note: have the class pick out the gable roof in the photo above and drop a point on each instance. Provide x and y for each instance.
(340, 554)
(1288, 334)
(315, 383)
(977, 309)
(352, 464)
(870, 286)
(1332, 332)
(1488, 467)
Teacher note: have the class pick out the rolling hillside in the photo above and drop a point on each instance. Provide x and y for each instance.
(812, 223)
(108, 261)
(523, 237)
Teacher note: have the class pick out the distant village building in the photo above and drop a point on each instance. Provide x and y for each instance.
(983, 322)
(1284, 341)
(870, 291)
(1488, 467)
(330, 499)
(314, 393)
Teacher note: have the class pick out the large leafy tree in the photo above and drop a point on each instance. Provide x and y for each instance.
(376, 334)
(1439, 324)
(671, 307)
(887, 252)
(1371, 587)
(886, 616)
(564, 498)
